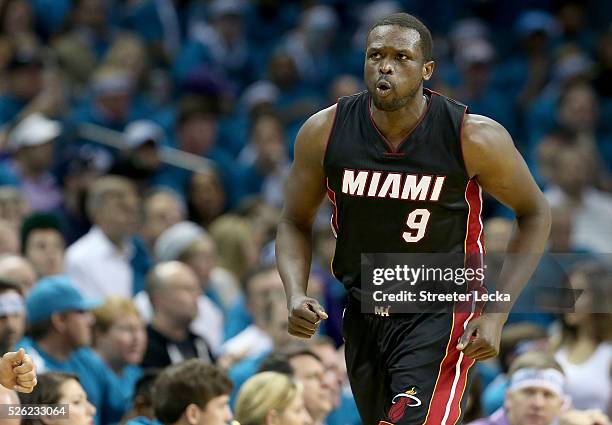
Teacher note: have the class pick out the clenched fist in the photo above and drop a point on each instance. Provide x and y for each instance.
(17, 371)
(305, 315)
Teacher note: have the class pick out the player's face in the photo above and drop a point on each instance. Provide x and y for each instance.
(217, 412)
(394, 67)
(532, 406)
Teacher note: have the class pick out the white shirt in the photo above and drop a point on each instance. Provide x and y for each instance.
(208, 324)
(250, 342)
(98, 268)
(589, 384)
(591, 225)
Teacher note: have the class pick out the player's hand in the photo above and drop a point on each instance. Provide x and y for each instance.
(305, 315)
(17, 371)
(584, 417)
(482, 336)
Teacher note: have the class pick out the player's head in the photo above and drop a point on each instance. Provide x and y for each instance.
(398, 59)
(271, 398)
(192, 393)
(536, 394)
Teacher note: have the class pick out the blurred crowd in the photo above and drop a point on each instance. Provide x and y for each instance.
(146, 287)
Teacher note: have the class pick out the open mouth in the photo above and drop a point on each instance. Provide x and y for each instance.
(383, 87)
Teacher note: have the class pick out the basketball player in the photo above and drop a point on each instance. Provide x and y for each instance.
(368, 152)
(17, 371)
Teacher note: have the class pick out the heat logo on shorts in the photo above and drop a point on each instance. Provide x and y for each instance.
(401, 401)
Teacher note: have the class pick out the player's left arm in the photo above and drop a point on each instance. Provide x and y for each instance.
(492, 159)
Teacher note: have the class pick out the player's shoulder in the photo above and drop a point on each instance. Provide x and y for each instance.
(321, 121)
(479, 131)
(312, 139)
(484, 141)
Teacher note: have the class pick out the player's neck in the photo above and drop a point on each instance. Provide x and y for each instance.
(396, 125)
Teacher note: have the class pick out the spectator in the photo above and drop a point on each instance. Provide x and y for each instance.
(269, 329)
(13, 206)
(129, 53)
(265, 159)
(582, 349)
(517, 339)
(536, 396)
(271, 398)
(31, 143)
(190, 244)
(236, 245)
(119, 337)
(192, 392)
(18, 270)
(325, 349)
(307, 368)
(206, 197)
(112, 103)
(79, 169)
(100, 263)
(9, 238)
(140, 161)
(173, 289)
(197, 126)
(17, 22)
(59, 339)
(43, 244)
(310, 44)
(221, 44)
(142, 401)
(344, 85)
(571, 188)
(24, 83)
(86, 40)
(12, 315)
(475, 61)
(161, 209)
(60, 388)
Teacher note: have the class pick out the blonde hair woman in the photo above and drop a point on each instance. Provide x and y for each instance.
(271, 398)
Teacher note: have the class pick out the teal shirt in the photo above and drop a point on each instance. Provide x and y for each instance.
(103, 388)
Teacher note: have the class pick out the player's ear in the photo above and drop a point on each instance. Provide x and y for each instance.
(428, 69)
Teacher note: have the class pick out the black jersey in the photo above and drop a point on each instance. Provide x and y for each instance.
(417, 198)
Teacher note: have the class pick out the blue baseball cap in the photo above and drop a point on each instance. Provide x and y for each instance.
(55, 294)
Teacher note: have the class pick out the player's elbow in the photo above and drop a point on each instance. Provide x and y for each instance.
(538, 212)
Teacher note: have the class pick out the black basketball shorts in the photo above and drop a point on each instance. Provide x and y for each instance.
(406, 369)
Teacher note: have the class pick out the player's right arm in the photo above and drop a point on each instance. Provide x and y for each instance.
(304, 191)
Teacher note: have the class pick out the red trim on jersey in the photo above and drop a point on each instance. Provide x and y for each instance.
(452, 378)
(421, 118)
(474, 238)
(334, 218)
